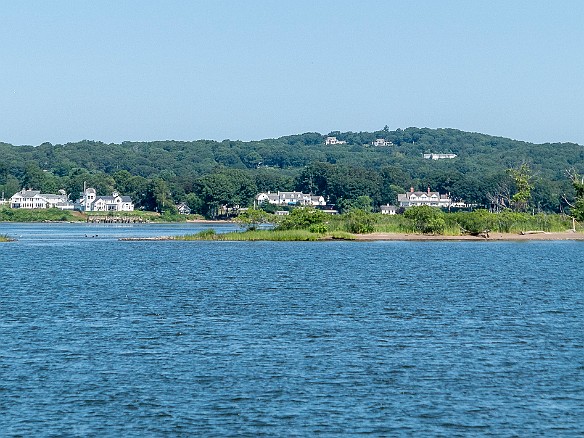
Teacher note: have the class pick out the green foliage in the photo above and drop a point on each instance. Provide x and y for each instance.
(523, 186)
(475, 222)
(252, 218)
(341, 235)
(318, 228)
(360, 222)
(229, 173)
(577, 208)
(302, 219)
(37, 215)
(225, 188)
(426, 219)
(255, 235)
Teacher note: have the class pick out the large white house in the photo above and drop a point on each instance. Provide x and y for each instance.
(290, 198)
(90, 201)
(381, 142)
(433, 156)
(34, 199)
(414, 199)
(333, 140)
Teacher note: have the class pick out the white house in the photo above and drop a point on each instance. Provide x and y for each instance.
(333, 140)
(388, 209)
(183, 208)
(35, 199)
(433, 156)
(91, 202)
(381, 142)
(290, 198)
(414, 199)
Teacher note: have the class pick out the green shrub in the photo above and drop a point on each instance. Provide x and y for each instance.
(426, 219)
(318, 228)
(302, 219)
(475, 222)
(360, 222)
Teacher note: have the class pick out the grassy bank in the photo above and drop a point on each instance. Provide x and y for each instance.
(254, 235)
(38, 215)
(8, 214)
(452, 224)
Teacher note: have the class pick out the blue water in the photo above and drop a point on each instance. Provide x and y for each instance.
(101, 337)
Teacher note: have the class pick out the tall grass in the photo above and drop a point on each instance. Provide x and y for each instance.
(255, 235)
(474, 222)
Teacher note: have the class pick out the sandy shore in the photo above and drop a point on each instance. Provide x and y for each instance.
(566, 235)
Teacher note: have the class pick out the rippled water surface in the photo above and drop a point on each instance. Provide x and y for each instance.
(108, 338)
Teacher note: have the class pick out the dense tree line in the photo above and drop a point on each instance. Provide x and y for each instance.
(209, 174)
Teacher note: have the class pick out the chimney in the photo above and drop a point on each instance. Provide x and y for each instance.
(428, 189)
(412, 189)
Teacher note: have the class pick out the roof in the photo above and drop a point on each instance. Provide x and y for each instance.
(28, 193)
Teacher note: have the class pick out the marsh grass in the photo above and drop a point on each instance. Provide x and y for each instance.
(255, 235)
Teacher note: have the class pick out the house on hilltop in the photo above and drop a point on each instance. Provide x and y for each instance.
(381, 142)
(433, 156)
(333, 140)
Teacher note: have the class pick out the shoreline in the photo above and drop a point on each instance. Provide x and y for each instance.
(493, 237)
(406, 237)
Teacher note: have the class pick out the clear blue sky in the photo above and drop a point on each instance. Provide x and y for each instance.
(251, 69)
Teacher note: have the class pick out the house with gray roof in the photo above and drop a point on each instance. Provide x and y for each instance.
(90, 201)
(290, 198)
(414, 199)
(34, 199)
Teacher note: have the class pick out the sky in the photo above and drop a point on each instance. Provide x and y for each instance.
(141, 70)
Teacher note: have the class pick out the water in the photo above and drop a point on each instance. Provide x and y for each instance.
(108, 338)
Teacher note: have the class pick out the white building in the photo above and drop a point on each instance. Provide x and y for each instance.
(91, 202)
(290, 198)
(415, 199)
(388, 209)
(433, 156)
(381, 142)
(34, 199)
(333, 140)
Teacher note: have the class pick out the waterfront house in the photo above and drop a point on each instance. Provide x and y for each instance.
(90, 201)
(290, 198)
(183, 208)
(34, 199)
(414, 199)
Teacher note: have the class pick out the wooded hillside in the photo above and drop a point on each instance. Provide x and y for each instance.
(208, 173)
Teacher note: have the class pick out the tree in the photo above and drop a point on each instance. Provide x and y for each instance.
(157, 197)
(252, 218)
(523, 186)
(577, 207)
(225, 189)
